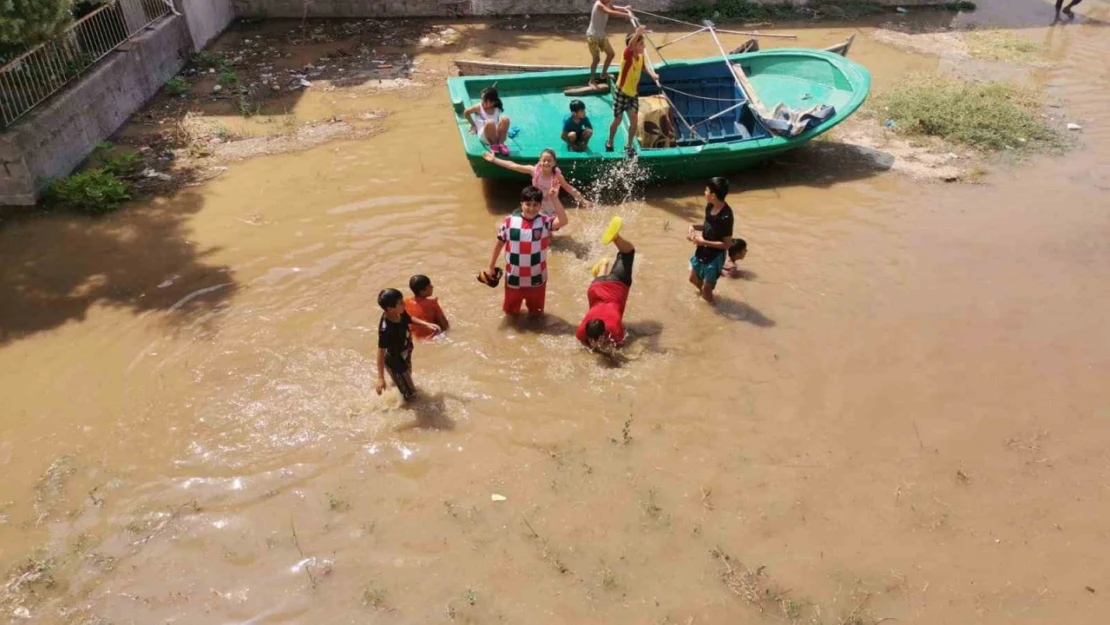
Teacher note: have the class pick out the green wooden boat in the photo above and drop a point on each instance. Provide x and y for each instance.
(729, 128)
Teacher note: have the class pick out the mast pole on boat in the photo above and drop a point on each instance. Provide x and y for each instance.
(737, 74)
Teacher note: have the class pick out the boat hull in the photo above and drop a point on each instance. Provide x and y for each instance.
(799, 78)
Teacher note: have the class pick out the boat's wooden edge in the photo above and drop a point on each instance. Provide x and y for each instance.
(469, 67)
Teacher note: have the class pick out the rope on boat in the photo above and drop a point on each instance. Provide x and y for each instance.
(754, 33)
(702, 97)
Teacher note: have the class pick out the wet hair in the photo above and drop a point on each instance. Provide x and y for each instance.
(490, 93)
(718, 186)
(738, 247)
(531, 194)
(552, 153)
(577, 105)
(595, 329)
(389, 298)
(419, 283)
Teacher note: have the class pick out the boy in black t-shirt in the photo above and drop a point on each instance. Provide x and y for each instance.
(713, 238)
(395, 343)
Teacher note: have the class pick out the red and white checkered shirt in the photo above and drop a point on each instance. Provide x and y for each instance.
(526, 243)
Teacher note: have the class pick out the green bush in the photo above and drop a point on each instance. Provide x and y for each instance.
(206, 59)
(176, 86)
(121, 164)
(93, 191)
(988, 116)
(228, 78)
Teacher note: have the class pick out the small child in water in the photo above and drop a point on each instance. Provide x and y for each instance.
(492, 125)
(395, 343)
(736, 253)
(577, 128)
(424, 307)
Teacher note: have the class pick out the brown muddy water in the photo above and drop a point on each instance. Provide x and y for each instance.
(899, 411)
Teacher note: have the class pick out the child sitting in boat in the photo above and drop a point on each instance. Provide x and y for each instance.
(626, 97)
(546, 177)
(577, 128)
(492, 125)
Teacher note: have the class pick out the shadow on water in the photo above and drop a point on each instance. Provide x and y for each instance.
(430, 412)
(567, 243)
(547, 324)
(736, 310)
(58, 266)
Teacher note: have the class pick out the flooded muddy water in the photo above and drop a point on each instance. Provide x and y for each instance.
(897, 411)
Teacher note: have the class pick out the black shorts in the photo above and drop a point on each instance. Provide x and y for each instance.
(621, 270)
(400, 371)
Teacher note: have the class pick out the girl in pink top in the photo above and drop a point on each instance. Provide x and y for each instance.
(545, 177)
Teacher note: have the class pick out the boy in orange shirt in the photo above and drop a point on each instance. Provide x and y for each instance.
(424, 307)
(626, 97)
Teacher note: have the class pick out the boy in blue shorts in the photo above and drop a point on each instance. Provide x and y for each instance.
(713, 238)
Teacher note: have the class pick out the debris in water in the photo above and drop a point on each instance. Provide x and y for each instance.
(151, 173)
(217, 89)
(902, 10)
(22, 612)
(496, 497)
(305, 83)
(1074, 127)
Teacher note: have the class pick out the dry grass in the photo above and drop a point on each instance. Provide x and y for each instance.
(988, 116)
(1004, 46)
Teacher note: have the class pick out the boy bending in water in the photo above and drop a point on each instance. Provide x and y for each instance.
(712, 238)
(603, 325)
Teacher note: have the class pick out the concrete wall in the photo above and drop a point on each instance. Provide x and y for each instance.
(59, 134)
(206, 19)
(479, 8)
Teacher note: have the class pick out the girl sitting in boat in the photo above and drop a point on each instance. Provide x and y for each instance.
(545, 177)
(492, 124)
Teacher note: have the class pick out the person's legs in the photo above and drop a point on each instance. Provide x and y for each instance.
(609, 54)
(613, 130)
(694, 279)
(503, 129)
(584, 140)
(534, 298)
(633, 124)
(401, 374)
(571, 139)
(1067, 9)
(707, 291)
(512, 302)
(595, 57)
(489, 132)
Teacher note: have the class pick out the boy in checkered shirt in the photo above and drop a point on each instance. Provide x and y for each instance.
(525, 236)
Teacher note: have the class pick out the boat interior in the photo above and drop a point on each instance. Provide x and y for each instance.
(707, 97)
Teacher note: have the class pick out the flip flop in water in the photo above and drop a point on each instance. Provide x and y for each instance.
(612, 230)
(596, 269)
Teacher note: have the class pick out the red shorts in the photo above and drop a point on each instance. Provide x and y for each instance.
(533, 297)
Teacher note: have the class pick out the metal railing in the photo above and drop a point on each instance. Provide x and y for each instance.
(34, 76)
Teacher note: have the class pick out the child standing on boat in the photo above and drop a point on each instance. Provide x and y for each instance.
(712, 238)
(596, 38)
(525, 236)
(492, 124)
(546, 177)
(626, 97)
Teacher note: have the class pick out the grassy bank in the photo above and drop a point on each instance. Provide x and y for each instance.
(746, 11)
(987, 116)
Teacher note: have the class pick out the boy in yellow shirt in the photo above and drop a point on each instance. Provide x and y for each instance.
(626, 97)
